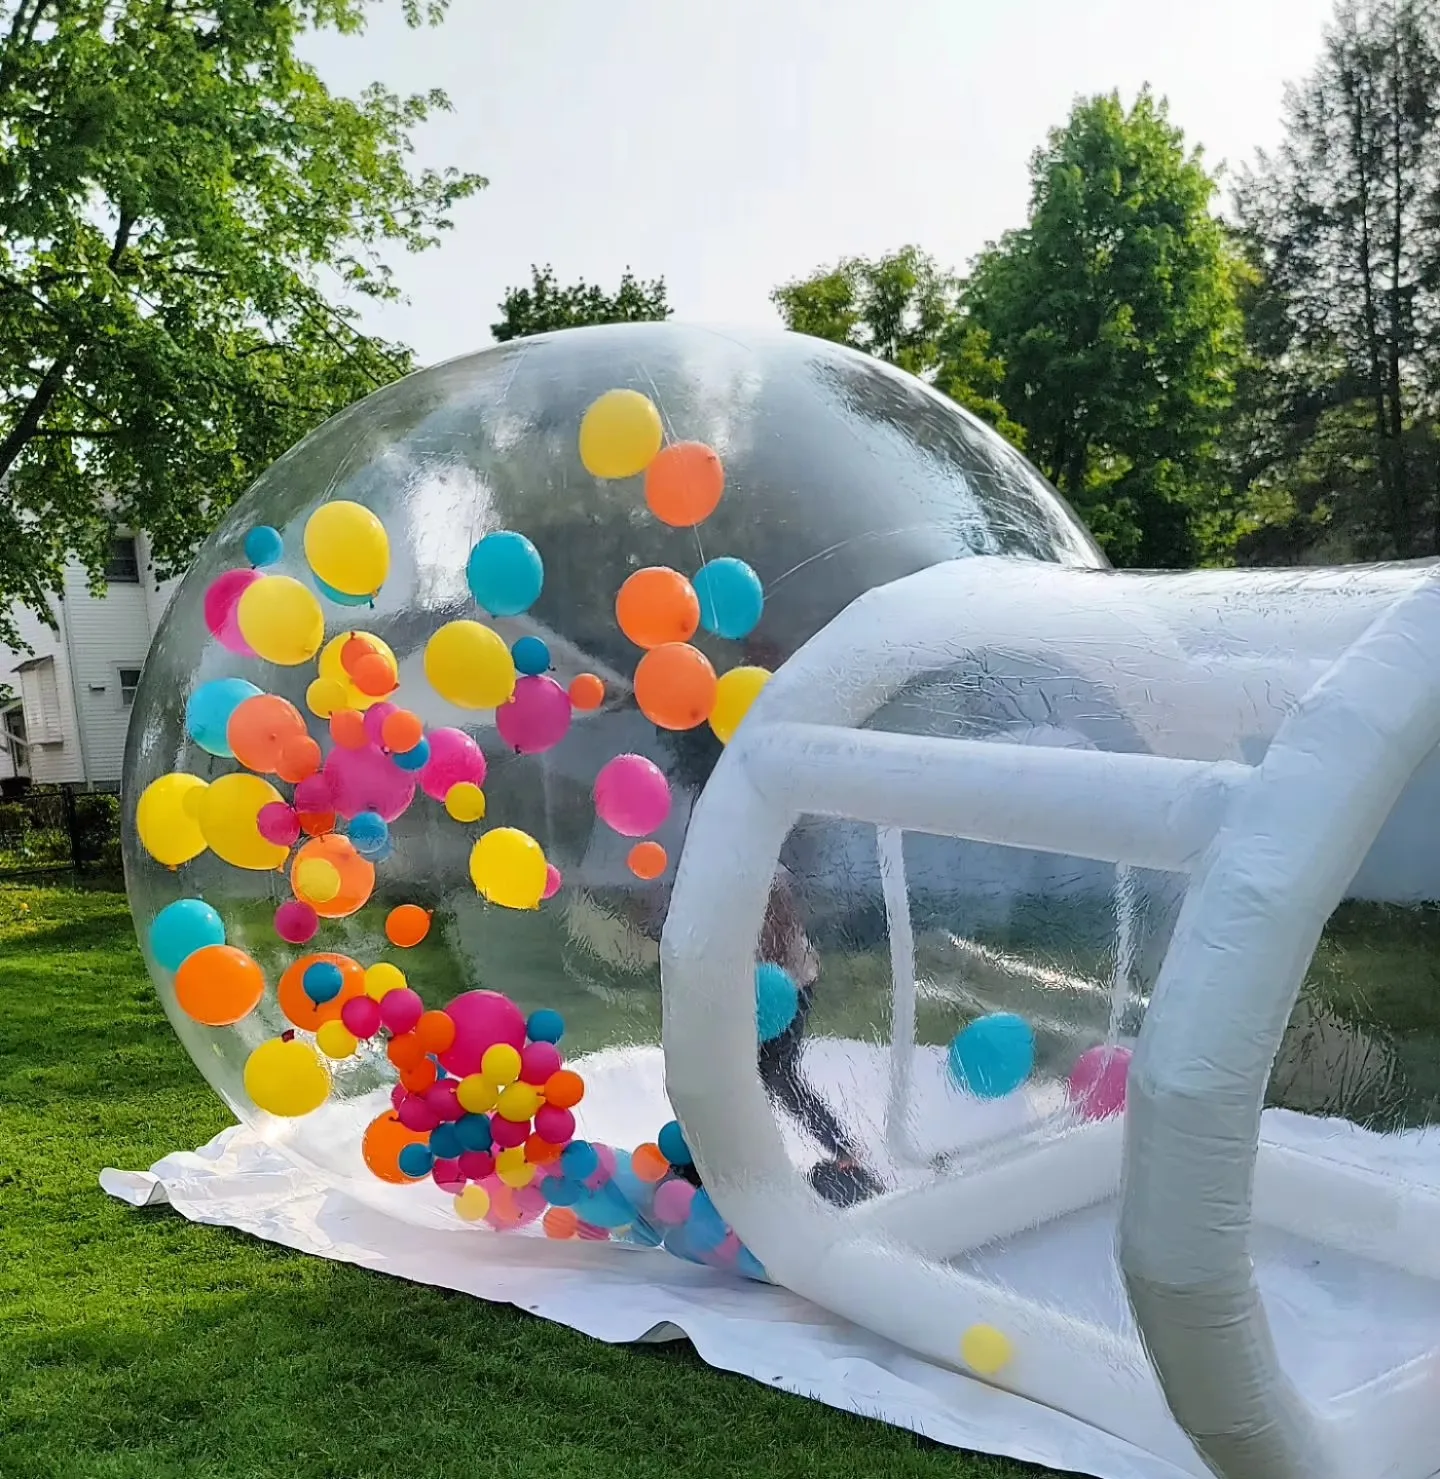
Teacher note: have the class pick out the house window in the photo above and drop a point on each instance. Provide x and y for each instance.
(129, 682)
(123, 566)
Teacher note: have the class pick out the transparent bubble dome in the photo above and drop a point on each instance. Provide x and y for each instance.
(840, 474)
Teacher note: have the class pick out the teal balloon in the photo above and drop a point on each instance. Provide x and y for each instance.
(731, 597)
(263, 545)
(339, 597)
(505, 573)
(208, 711)
(777, 1000)
(182, 928)
(993, 1056)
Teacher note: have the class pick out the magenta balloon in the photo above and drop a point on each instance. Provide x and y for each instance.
(454, 757)
(632, 795)
(444, 1099)
(375, 717)
(314, 794)
(553, 879)
(605, 1170)
(222, 601)
(477, 1164)
(296, 922)
(482, 1019)
(448, 1176)
(400, 1010)
(508, 1134)
(398, 1095)
(278, 823)
(366, 780)
(415, 1114)
(554, 1126)
(1099, 1081)
(361, 1016)
(537, 718)
(538, 1061)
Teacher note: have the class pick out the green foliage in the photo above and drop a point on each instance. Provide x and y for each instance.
(905, 309)
(545, 306)
(1115, 313)
(180, 198)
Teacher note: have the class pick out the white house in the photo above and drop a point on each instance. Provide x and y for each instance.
(71, 694)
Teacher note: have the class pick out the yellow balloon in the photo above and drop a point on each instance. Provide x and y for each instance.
(165, 818)
(281, 620)
(317, 881)
(382, 978)
(229, 821)
(473, 1203)
(476, 1093)
(734, 693)
(620, 434)
(986, 1350)
(465, 801)
(287, 1078)
(519, 1102)
(512, 1167)
(470, 666)
(500, 1064)
(335, 1040)
(347, 547)
(332, 670)
(508, 868)
(325, 695)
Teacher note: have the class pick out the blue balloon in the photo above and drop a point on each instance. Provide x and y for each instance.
(993, 1056)
(731, 597)
(340, 598)
(505, 573)
(747, 1264)
(705, 1224)
(445, 1143)
(545, 1026)
(208, 711)
(416, 759)
(367, 832)
(679, 1243)
(415, 1160)
(605, 1207)
(263, 545)
(777, 1000)
(474, 1132)
(643, 1235)
(182, 928)
(322, 981)
(531, 655)
(579, 1160)
(561, 1191)
(671, 1141)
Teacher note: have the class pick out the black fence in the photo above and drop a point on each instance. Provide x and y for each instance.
(57, 829)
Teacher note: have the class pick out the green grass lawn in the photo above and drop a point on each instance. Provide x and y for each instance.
(134, 1345)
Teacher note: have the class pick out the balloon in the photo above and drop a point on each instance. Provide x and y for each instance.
(531, 656)
(482, 1019)
(502, 1063)
(454, 757)
(632, 795)
(286, 1078)
(684, 484)
(365, 780)
(355, 875)
(555, 1126)
(536, 718)
(673, 1201)
(361, 1015)
(470, 666)
(401, 1010)
(229, 821)
(587, 692)
(401, 730)
(208, 711)
(415, 1161)
(182, 928)
(339, 597)
(414, 760)
(620, 434)
(281, 620)
(735, 692)
(222, 597)
(324, 697)
(259, 730)
(477, 1094)
(313, 795)
(332, 668)
(166, 817)
(347, 728)
(295, 1001)
(263, 545)
(993, 1056)
(382, 1144)
(553, 880)
(1099, 1082)
(508, 868)
(374, 676)
(316, 881)
(538, 1061)
(505, 573)
(675, 686)
(368, 832)
(673, 1146)
(731, 597)
(382, 981)
(296, 922)
(406, 925)
(219, 985)
(465, 802)
(347, 548)
(649, 1164)
(647, 860)
(777, 1000)
(545, 1025)
(373, 721)
(657, 605)
(472, 1204)
(299, 759)
(278, 823)
(336, 1040)
(564, 1089)
(435, 1032)
(986, 1350)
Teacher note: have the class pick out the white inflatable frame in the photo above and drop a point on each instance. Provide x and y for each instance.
(1269, 851)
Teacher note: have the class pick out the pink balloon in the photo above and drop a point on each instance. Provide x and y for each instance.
(222, 600)
(442, 1099)
(454, 757)
(375, 717)
(727, 1252)
(361, 1016)
(605, 1170)
(537, 717)
(554, 1126)
(482, 1019)
(366, 780)
(477, 1164)
(553, 879)
(314, 794)
(296, 922)
(530, 1201)
(672, 1202)
(400, 1010)
(278, 823)
(507, 1134)
(448, 1176)
(587, 1232)
(398, 1096)
(632, 795)
(1099, 1080)
(415, 1114)
(538, 1060)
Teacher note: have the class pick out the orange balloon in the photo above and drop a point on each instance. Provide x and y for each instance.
(648, 1164)
(435, 1031)
(540, 1152)
(317, 823)
(347, 729)
(356, 649)
(587, 692)
(564, 1088)
(561, 1223)
(299, 1008)
(405, 1051)
(420, 1077)
(218, 985)
(401, 731)
(259, 730)
(385, 1138)
(675, 686)
(299, 759)
(657, 605)
(357, 875)
(407, 925)
(684, 483)
(373, 676)
(647, 860)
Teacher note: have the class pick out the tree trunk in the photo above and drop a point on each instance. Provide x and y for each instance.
(1402, 529)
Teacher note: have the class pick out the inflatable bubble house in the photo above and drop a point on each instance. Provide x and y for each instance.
(1048, 957)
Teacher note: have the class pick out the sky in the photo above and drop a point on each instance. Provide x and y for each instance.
(730, 147)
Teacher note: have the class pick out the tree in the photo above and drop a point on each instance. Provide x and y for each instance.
(545, 305)
(1345, 221)
(1114, 313)
(904, 309)
(177, 189)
